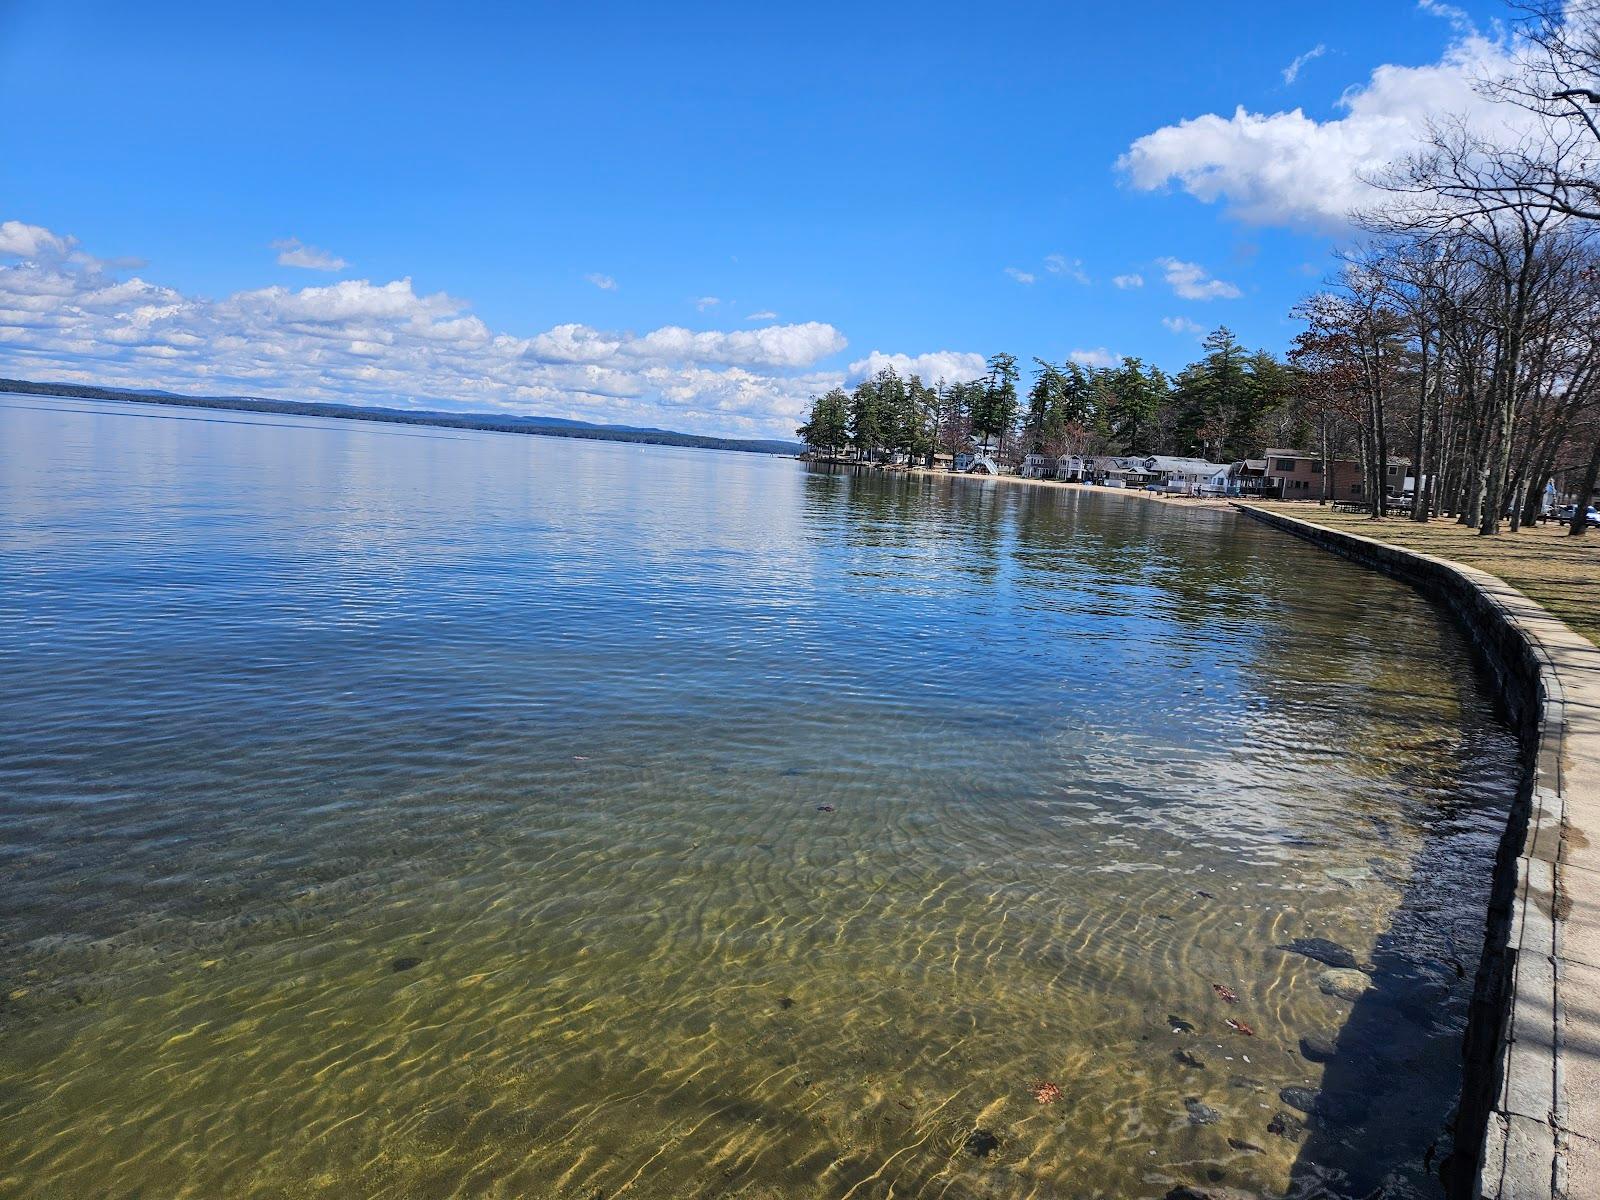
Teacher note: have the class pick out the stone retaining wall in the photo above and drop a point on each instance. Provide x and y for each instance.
(1515, 1134)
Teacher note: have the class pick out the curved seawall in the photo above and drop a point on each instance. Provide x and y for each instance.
(1530, 1103)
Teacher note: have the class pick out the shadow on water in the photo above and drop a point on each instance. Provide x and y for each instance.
(1385, 1116)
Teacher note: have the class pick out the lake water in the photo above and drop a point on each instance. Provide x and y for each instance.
(390, 811)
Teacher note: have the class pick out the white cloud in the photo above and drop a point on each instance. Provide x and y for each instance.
(1459, 20)
(1099, 357)
(706, 302)
(32, 241)
(763, 315)
(68, 317)
(1134, 280)
(952, 366)
(1287, 168)
(292, 252)
(1190, 281)
(1019, 275)
(1292, 71)
(1060, 264)
(604, 282)
(1183, 325)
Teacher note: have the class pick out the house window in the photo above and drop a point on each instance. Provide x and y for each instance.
(1316, 468)
(1284, 464)
(1355, 489)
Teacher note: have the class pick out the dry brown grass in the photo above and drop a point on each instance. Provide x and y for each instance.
(1560, 572)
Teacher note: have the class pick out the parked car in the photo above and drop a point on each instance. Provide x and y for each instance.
(1565, 512)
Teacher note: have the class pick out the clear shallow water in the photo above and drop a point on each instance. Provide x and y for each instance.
(403, 812)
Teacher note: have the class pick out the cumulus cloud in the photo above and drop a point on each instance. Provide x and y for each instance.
(1292, 71)
(1072, 268)
(1099, 357)
(1020, 275)
(1183, 325)
(1286, 168)
(1190, 281)
(69, 317)
(292, 252)
(1134, 280)
(32, 241)
(604, 282)
(953, 366)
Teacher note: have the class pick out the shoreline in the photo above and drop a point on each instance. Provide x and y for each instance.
(1529, 1115)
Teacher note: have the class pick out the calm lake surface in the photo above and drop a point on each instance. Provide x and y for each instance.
(392, 811)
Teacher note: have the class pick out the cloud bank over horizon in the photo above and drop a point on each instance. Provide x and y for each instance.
(70, 317)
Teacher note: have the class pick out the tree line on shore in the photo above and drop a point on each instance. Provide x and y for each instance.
(1462, 331)
(1225, 405)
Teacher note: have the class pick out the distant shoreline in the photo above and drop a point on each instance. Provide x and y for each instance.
(537, 426)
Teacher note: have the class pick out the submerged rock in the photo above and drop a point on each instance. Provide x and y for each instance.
(1285, 1125)
(1345, 982)
(1189, 1058)
(1322, 950)
(1319, 1047)
(1199, 1113)
(981, 1143)
(405, 964)
(1179, 1025)
(1303, 1098)
(1246, 1147)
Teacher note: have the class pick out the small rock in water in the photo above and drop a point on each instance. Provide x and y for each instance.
(1203, 894)
(1321, 950)
(824, 808)
(405, 964)
(1245, 1082)
(1200, 1114)
(1345, 982)
(1189, 1059)
(981, 1143)
(1349, 876)
(785, 1001)
(1179, 1025)
(1318, 1047)
(1241, 1144)
(1285, 1125)
(1305, 1099)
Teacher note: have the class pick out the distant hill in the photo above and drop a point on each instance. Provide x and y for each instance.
(539, 426)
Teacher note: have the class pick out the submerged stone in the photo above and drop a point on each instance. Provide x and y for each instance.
(1322, 950)
(1246, 1147)
(1318, 1047)
(1345, 982)
(405, 964)
(1189, 1058)
(981, 1143)
(1199, 1113)
(1286, 1125)
(1303, 1098)
(1179, 1025)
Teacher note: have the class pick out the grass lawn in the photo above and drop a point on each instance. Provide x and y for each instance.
(1560, 572)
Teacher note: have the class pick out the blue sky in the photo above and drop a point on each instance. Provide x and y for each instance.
(690, 216)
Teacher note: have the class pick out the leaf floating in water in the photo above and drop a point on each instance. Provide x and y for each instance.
(1241, 1027)
(824, 808)
(1045, 1092)
(1226, 992)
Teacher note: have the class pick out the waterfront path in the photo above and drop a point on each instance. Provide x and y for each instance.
(1537, 1028)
